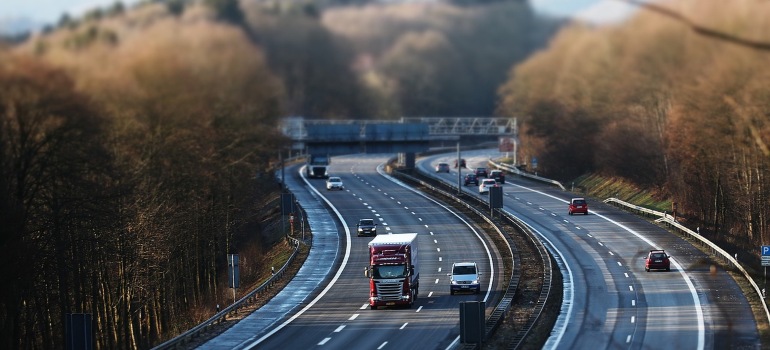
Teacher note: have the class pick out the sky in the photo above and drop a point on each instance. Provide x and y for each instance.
(49, 11)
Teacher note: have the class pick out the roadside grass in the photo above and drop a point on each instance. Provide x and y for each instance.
(605, 187)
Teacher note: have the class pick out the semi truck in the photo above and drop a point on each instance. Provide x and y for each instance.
(316, 166)
(393, 270)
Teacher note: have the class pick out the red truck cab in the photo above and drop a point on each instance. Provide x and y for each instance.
(394, 277)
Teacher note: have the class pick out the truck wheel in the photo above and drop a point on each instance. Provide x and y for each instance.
(373, 307)
(451, 292)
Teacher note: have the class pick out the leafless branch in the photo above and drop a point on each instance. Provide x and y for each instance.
(761, 45)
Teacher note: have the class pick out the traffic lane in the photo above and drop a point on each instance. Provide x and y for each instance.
(438, 232)
(722, 300)
(498, 286)
(443, 285)
(405, 201)
(327, 320)
(728, 318)
(722, 303)
(601, 301)
(623, 244)
(609, 313)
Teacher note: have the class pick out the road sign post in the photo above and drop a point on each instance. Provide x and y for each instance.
(233, 272)
(765, 263)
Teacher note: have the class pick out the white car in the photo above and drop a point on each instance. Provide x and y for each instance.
(464, 278)
(334, 183)
(486, 184)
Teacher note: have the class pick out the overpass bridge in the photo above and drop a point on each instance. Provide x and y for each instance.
(404, 135)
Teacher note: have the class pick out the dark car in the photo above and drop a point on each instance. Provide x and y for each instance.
(578, 205)
(657, 259)
(471, 179)
(366, 227)
(462, 163)
(442, 168)
(498, 175)
(481, 172)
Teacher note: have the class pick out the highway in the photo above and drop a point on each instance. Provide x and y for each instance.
(338, 317)
(610, 301)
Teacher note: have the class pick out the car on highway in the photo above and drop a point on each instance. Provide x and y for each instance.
(366, 227)
(578, 205)
(334, 183)
(657, 259)
(470, 179)
(481, 172)
(497, 175)
(464, 278)
(486, 184)
(442, 167)
(462, 163)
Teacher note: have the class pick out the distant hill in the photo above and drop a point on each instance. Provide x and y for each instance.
(12, 27)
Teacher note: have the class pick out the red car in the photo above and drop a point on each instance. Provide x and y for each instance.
(578, 205)
(657, 259)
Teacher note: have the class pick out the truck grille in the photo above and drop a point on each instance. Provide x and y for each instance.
(390, 291)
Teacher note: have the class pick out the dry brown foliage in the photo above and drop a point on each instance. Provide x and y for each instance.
(155, 133)
(677, 109)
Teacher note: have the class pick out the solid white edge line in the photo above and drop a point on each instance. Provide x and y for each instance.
(567, 293)
(331, 283)
(693, 292)
(489, 254)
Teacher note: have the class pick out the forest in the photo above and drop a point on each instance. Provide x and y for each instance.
(139, 144)
(656, 102)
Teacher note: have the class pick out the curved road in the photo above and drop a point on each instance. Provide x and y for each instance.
(338, 317)
(610, 301)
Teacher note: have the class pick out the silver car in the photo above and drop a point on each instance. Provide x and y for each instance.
(464, 278)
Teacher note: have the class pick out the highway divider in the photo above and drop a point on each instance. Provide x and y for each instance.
(503, 307)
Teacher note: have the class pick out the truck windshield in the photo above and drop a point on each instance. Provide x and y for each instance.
(389, 271)
(319, 160)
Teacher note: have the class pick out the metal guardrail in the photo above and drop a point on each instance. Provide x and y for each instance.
(664, 217)
(505, 303)
(183, 338)
(521, 336)
(512, 169)
(502, 308)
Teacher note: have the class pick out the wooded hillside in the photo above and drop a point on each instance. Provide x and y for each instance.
(137, 143)
(131, 163)
(660, 104)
